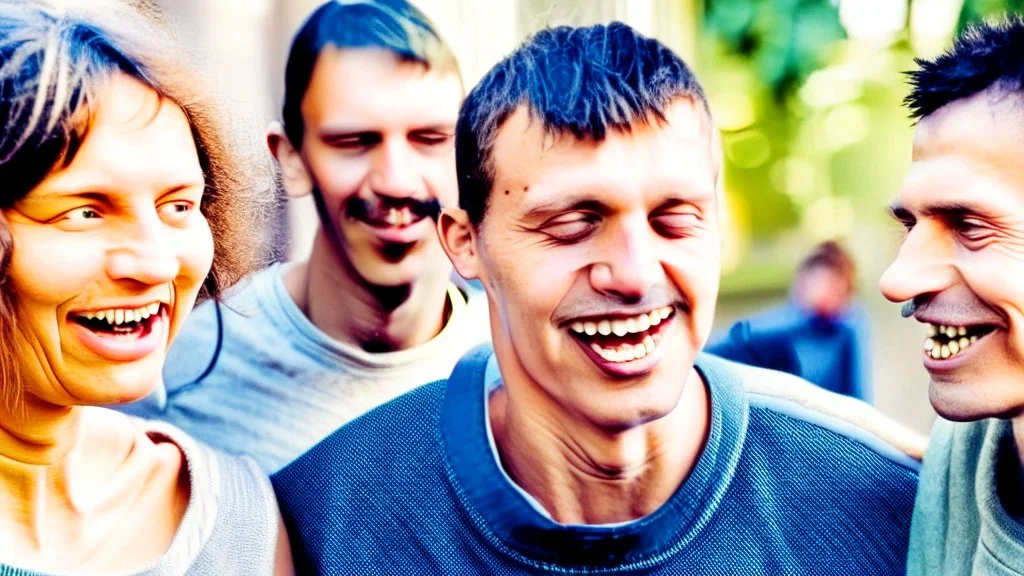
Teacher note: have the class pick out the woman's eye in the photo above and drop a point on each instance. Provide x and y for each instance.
(176, 211)
(82, 214)
(79, 219)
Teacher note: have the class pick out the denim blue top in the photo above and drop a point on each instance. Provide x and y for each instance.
(413, 487)
(832, 353)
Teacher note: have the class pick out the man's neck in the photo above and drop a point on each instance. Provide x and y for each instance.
(581, 474)
(373, 318)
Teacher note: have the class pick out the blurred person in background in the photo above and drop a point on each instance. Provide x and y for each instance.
(124, 198)
(960, 271)
(588, 208)
(820, 335)
(372, 94)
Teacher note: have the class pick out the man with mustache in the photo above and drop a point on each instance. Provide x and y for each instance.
(600, 440)
(961, 271)
(372, 94)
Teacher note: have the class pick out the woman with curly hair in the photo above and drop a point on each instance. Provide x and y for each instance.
(122, 200)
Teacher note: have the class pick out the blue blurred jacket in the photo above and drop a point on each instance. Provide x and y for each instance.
(832, 353)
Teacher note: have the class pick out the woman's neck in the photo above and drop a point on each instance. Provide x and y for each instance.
(35, 433)
(72, 478)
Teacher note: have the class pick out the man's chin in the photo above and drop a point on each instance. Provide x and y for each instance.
(388, 274)
(962, 402)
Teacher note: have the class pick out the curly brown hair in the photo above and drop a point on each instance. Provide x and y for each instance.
(54, 61)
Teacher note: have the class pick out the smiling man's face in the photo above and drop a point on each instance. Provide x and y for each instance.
(962, 261)
(601, 262)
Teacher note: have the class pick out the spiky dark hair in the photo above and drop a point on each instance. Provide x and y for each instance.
(581, 81)
(986, 55)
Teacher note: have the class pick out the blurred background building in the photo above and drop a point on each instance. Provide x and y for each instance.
(807, 94)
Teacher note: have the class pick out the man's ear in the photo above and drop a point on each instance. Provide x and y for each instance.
(294, 175)
(458, 238)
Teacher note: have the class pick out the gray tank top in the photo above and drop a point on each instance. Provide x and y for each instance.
(230, 525)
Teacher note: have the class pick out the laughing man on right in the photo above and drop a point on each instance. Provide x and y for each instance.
(961, 272)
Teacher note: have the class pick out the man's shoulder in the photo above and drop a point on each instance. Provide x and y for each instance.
(816, 461)
(742, 343)
(368, 449)
(813, 408)
(237, 326)
(378, 479)
(956, 448)
(779, 320)
(240, 306)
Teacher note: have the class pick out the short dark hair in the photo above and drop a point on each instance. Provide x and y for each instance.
(581, 81)
(986, 55)
(392, 25)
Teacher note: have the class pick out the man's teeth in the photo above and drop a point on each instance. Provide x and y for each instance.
(948, 331)
(626, 352)
(118, 316)
(620, 327)
(955, 338)
(398, 217)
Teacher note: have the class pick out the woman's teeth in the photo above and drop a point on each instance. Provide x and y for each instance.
(118, 316)
(944, 342)
(621, 327)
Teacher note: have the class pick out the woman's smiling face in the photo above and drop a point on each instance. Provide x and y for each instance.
(109, 253)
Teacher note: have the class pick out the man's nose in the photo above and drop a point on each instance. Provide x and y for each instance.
(627, 268)
(395, 170)
(924, 264)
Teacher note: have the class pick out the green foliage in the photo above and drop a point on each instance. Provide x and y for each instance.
(974, 10)
(785, 40)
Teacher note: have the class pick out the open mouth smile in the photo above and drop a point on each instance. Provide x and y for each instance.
(947, 342)
(122, 334)
(623, 339)
(623, 346)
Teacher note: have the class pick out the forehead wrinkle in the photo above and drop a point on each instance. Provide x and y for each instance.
(334, 97)
(99, 165)
(984, 124)
(962, 181)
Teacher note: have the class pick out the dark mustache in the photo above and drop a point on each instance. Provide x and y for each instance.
(364, 209)
(957, 308)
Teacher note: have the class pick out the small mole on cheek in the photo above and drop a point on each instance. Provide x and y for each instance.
(526, 189)
(506, 192)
